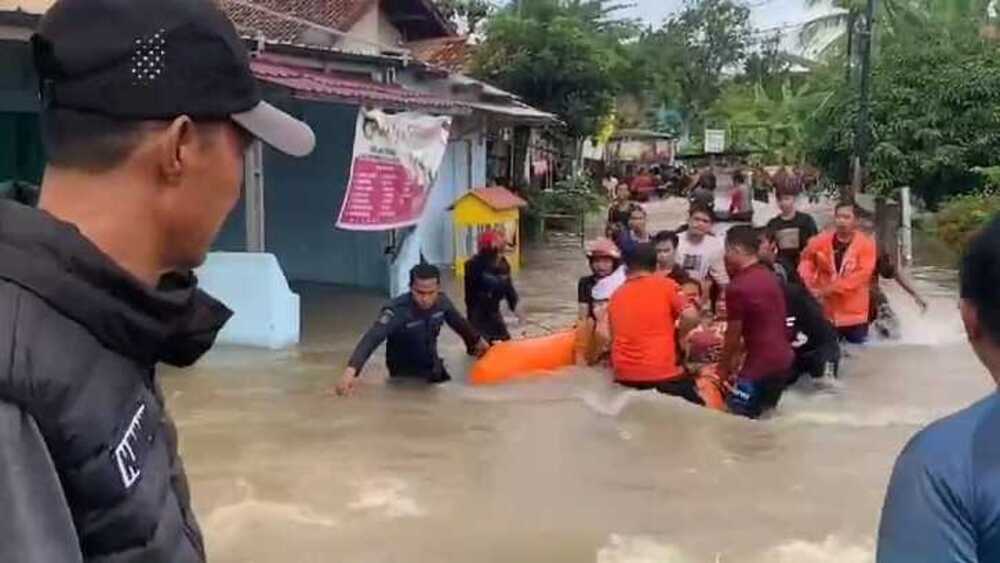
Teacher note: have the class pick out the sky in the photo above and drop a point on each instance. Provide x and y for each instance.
(783, 15)
(764, 14)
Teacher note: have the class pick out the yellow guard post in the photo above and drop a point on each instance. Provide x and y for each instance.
(483, 209)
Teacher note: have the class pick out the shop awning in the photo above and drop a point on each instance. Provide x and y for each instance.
(517, 112)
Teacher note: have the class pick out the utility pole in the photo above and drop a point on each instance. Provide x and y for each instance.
(862, 139)
(852, 20)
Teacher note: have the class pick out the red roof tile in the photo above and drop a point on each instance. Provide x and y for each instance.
(499, 198)
(350, 89)
(253, 17)
(337, 14)
(450, 53)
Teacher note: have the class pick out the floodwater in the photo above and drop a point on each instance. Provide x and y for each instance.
(567, 470)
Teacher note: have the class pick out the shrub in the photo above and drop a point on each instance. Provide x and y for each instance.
(567, 197)
(962, 216)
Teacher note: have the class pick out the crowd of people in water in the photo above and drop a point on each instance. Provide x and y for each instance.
(729, 321)
(725, 320)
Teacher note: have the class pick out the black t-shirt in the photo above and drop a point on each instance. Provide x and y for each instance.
(805, 315)
(793, 235)
(585, 292)
(839, 250)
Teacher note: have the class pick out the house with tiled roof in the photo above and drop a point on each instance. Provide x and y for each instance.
(323, 61)
(368, 26)
(450, 53)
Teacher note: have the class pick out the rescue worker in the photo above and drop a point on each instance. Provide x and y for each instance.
(646, 315)
(95, 285)
(837, 267)
(411, 324)
(487, 284)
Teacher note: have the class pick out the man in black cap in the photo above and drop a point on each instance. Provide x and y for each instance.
(147, 109)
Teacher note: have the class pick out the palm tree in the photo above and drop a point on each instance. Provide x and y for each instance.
(828, 31)
(837, 30)
(839, 27)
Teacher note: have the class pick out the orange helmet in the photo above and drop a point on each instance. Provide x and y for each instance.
(603, 247)
(491, 240)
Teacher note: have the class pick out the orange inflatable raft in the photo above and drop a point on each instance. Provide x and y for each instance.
(529, 358)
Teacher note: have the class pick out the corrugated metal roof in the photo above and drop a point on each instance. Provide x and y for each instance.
(349, 89)
(517, 111)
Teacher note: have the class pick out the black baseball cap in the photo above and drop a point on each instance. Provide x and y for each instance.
(156, 60)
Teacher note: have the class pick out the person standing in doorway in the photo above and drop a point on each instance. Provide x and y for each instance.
(943, 500)
(792, 228)
(837, 267)
(410, 325)
(756, 326)
(487, 284)
(701, 253)
(144, 164)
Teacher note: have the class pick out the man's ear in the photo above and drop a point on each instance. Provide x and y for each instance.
(970, 318)
(176, 143)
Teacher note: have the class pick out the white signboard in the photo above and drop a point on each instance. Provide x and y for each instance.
(715, 141)
(396, 159)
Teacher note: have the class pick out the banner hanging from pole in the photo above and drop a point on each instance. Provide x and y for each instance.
(395, 164)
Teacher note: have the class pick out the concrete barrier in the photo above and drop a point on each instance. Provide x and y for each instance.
(253, 285)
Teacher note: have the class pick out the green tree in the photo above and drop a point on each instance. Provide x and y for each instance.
(772, 120)
(935, 115)
(683, 61)
(558, 55)
(467, 13)
(836, 31)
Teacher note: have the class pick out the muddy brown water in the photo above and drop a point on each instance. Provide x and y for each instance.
(566, 470)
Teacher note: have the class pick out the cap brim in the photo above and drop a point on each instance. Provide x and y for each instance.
(277, 129)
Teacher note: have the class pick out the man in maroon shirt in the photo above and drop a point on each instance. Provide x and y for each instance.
(756, 325)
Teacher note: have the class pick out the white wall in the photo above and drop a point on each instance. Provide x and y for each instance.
(373, 26)
(434, 235)
(387, 33)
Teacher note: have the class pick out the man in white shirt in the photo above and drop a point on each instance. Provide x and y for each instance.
(700, 252)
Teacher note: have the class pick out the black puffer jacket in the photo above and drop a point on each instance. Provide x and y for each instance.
(79, 339)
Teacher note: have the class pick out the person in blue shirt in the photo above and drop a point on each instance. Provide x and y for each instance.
(943, 503)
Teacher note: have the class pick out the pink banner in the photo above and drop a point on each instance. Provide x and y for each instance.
(396, 158)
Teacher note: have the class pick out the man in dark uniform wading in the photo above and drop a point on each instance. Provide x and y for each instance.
(147, 109)
(412, 324)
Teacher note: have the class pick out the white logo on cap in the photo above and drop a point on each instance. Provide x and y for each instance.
(148, 59)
